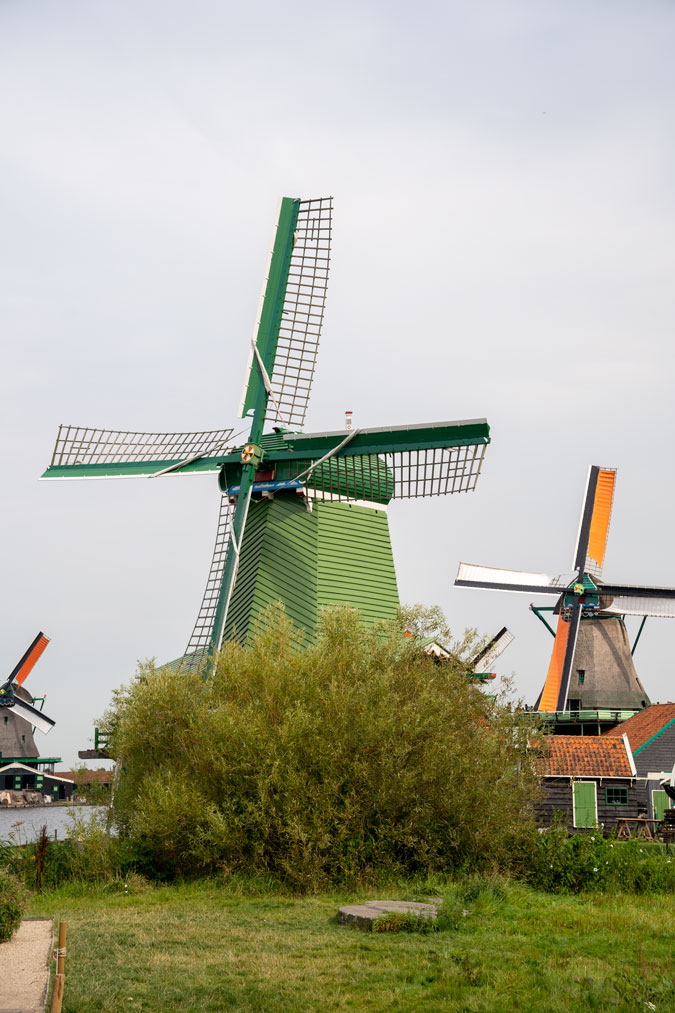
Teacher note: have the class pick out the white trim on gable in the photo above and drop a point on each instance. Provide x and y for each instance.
(629, 754)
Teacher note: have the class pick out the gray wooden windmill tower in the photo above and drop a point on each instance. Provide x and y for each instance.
(591, 665)
(18, 716)
(303, 516)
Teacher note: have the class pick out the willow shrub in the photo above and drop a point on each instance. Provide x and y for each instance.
(13, 903)
(352, 759)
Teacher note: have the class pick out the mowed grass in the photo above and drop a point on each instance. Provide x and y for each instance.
(205, 947)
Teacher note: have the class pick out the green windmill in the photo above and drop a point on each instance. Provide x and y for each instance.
(303, 516)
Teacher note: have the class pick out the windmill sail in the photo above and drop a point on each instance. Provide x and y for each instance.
(548, 700)
(289, 359)
(24, 710)
(83, 452)
(302, 315)
(625, 599)
(400, 462)
(568, 661)
(492, 650)
(493, 578)
(596, 514)
(200, 639)
(25, 666)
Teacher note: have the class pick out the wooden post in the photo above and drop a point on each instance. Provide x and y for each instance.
(59, 977)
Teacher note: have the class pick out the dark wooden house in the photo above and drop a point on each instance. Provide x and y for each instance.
(590, 780)
(651, 734)
(17, 778)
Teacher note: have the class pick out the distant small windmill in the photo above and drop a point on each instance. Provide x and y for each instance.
(592, 660)
(479, 665)
(302, 516)
(16, 702)
(485, 659)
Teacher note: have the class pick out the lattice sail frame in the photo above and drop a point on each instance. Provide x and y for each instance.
(200, 639)
(493, 650)
(302, 314)
(407, 474)
(82, 445)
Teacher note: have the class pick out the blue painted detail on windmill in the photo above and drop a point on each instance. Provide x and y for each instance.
(585, 591)
(281, 485)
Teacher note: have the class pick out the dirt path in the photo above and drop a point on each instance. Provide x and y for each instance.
(24, 967)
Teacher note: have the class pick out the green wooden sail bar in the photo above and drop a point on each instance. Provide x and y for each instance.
(303, 516)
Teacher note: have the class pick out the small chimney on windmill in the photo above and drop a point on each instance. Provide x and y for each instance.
(348, 420)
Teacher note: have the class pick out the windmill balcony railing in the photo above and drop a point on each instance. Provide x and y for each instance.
(600, 715)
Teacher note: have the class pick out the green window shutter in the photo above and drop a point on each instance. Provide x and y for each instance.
(660, 803)
(585, 810)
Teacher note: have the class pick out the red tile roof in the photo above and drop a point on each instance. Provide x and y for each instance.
(584, 755)
(644, 725)
(87, 776)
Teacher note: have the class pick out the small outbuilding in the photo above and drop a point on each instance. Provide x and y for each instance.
(87, 781)
(19, 777)
(590, 780)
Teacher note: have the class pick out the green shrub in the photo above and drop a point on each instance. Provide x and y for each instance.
(355, 758)
(13, 901)
(87, 855)
(564, 862)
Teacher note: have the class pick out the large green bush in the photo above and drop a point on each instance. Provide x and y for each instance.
(353, 758)
(13, 901)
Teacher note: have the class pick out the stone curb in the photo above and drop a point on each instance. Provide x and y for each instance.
(363, 915)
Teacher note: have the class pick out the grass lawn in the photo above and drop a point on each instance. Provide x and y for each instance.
(205, 947)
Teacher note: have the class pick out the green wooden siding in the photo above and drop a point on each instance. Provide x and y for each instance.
(585, 808)
(242, 602)
(278, 563)
(336, 554)
(355, 561)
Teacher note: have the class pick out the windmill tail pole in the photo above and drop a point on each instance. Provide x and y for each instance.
(639, 634)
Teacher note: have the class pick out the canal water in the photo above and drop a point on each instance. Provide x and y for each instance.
(31, 819)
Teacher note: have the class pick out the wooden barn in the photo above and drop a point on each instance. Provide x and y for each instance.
(651, 735)
(590, 780)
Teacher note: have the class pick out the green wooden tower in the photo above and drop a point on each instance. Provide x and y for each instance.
(303, 516)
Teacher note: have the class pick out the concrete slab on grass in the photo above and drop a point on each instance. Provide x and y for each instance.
(24, 967)
(363, 915)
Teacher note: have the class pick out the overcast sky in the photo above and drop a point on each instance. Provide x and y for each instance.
(503, 247)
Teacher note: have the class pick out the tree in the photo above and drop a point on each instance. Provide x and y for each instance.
(355, 757)
(429, 621)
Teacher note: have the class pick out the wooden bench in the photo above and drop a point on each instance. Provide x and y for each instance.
(638, 826)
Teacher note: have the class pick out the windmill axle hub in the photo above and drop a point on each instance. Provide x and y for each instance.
(253, 454)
